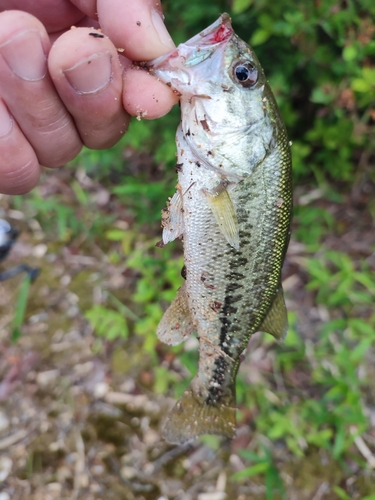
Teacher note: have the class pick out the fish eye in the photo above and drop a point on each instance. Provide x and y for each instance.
(245, 73)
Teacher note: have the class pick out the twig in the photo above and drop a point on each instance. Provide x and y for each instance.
(363, 448)
(169, 456)
(321, 491)
(79, 469)
(13, 439)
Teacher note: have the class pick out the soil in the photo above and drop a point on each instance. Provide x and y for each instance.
(78, 419)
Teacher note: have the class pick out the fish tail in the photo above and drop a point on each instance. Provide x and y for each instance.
(194, 415)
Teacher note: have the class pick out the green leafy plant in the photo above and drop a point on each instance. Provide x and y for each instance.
(20, 308)
(107, 323)
(263, 465)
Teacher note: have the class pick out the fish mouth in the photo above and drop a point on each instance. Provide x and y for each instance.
(196, 50)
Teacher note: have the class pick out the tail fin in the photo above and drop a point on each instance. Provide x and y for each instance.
(192, 416)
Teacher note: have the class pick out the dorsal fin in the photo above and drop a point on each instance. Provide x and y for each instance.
(225, 215)
(276, 321)
(176, 324)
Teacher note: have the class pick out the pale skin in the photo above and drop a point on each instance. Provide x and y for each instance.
(62, 88)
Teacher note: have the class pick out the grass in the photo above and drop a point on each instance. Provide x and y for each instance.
(316, 398)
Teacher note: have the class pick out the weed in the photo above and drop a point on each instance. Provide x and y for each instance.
(263, 465)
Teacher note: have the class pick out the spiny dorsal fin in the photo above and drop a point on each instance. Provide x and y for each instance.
(276, 321)
(176, 324)
(173, 218)
(225, 215)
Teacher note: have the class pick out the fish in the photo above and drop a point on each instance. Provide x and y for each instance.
(232, 209)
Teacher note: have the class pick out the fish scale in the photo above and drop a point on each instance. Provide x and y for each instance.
(233, 210)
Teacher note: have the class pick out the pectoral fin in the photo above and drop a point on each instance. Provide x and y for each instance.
(225, 215)
(172, 220)
(176, 324)
(276, 321)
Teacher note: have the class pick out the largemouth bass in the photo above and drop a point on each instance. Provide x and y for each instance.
(233, 210)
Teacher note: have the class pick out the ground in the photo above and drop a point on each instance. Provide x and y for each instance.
(79, 414)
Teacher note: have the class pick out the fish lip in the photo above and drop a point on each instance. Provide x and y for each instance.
(219, 31)
(198, 48)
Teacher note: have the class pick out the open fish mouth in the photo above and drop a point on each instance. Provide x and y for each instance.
(194, 51)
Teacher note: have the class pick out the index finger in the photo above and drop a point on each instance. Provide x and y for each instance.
(135, 26)
(138, 28)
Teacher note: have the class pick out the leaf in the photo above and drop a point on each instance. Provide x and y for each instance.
(360, 85)
(341, 493)
(239, 6)
(250, 455)
(20, 309)
(254, 470)
(107, 323)
(349, 53)
(260, 36)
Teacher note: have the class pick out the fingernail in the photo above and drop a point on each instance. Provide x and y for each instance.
(25, 56)
(6, 121)
(161, 30)
(91, 74)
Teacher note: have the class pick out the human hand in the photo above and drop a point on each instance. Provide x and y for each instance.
(62, 88)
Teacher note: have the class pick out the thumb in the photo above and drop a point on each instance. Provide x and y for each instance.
(135, 26)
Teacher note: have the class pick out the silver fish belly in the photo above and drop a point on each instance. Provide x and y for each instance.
(233, 210)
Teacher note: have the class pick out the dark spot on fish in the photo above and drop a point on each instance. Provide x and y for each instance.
(244, 234)
(216, 387)
(169, 84)
(197, 164)
(178, 167)
(205, 125)
(216, 305)
(96, 35)
(138, 23)
(232, 287)
(236, 276)
(207, 285)
(183, 272)
(188, 132)
(241, 261)
(226, 88)
(209, 153)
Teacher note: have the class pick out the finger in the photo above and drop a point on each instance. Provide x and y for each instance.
(86, 22)
(56, 15)
(86, 71)
(136, 26)
(19, 166)
(86, 6)
(29, 93)
(146, 97)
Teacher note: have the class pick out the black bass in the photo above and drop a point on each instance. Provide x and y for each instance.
(233, 210)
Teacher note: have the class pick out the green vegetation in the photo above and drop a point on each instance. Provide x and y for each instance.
(315, 400)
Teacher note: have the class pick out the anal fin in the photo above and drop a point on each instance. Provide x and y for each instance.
(176, 324)
(225, 215)
(276, 321)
